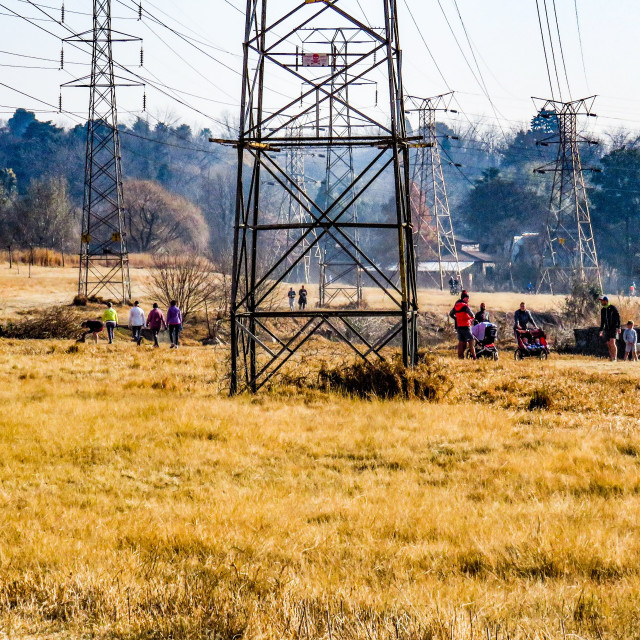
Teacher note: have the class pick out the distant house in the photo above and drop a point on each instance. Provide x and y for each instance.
(473, 263)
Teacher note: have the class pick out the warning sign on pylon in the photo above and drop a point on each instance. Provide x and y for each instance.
(116, 237)
(86, 238)
(561, 240)
(315, 60)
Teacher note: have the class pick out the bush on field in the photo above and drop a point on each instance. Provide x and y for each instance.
(581, 305)
(389, 379)
(55, 322)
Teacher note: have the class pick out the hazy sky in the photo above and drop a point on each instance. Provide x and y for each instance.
(504, 35)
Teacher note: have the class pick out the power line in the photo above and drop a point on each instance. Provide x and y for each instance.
(427, 46)
(566, 75)
(122, 67)
(79, 13)
(184, 38)
(544, 48)
(584, 68)
(22, 55)
(191, 41)
(553, 52)
(471, 48)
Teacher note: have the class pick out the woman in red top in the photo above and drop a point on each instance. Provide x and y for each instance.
(464, 317)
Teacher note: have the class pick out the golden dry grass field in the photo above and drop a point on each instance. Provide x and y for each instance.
(138, 501)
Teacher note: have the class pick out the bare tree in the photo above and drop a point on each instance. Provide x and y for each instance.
(189, 279)
(161, 220)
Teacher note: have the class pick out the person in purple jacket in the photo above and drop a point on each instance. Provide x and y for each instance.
(174, 322)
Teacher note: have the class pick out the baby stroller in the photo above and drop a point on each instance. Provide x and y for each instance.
(531, 342)
(485, 347)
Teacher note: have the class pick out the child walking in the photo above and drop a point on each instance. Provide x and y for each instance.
(630, 338)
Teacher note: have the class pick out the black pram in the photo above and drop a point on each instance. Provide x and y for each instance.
(485, 347)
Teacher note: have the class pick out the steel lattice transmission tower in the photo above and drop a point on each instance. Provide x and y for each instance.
(340, 274)
(265, 334)
(294, 210)
(104, 261)
(434, 237)
(569, 252)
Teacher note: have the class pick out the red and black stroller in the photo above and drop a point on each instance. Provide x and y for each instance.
(531, 342)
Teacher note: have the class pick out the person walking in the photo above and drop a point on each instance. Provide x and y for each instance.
(292, 298)
(92, 326)
(136, 322)
(630, 338)
(609, 326)
(482, 315)
(463, 317)
(632, 289)
(522, 318)
(174, 322)
(110, 319)
(302, 298)
(155, 322)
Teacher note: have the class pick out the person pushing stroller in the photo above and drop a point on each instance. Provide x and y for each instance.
(463, 317)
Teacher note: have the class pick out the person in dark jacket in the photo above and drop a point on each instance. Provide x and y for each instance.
(482, 315)
(464, 318)
(609, 326)
(522, 318)
(92, 326)
(302, 298)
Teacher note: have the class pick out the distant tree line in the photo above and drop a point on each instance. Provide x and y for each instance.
(180, 189)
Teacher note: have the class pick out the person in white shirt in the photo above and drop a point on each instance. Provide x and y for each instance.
(136, 322)
(630, 338)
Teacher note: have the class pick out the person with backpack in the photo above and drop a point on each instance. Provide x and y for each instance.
(302, 298)
(136, 322)
(463, 317)
(174, 322)
(609, 326)
(110, 319)
(155, 322)
(292, 298)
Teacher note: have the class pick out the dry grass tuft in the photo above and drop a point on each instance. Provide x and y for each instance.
(540, 399)
(388, 379)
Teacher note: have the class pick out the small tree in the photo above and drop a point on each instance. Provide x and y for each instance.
(189, 279)
(43, 217)
(580, 305)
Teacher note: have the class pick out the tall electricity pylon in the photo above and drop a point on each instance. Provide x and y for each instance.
(569, 252)
(340, 274)
(434, 235)
(265, 333)
(104, 261)
(294, 210)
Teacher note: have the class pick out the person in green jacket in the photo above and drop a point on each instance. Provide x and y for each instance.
(110, 319)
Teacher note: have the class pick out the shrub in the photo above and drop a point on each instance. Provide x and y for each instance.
(54, 322)
(388, 379)
(581, 305)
